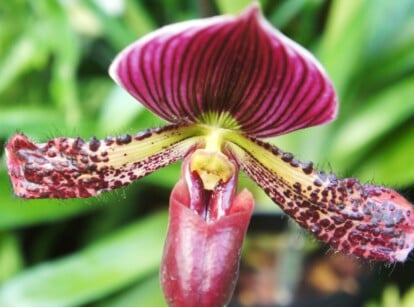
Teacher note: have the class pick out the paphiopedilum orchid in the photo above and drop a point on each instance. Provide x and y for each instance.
(223, 84)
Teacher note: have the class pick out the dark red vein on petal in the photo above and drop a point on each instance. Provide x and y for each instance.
(202, 70)
(292, 95)
(239, 63)
(213, 87)
(124, 69)
(145, 79)
(185, 102)
(238, 108)
(254, 112)
(277, 101)
(306, 99)
(165, 61)
(259, 92)
(155, 76)
(248, 66)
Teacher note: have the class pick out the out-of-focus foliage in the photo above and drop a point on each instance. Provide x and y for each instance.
(90, 273)
(392, 298)
(54, 57)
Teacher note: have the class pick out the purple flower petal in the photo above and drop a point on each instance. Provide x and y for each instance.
(368, 221)
(235, 72)
(68, 168)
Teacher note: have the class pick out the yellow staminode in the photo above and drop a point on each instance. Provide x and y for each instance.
(209, 162)
(212, 167)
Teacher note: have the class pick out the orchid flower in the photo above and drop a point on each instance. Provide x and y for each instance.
(223, 83)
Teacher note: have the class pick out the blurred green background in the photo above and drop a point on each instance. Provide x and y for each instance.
(105, 251)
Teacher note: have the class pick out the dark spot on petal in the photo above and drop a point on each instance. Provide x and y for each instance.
(94, 158)
(338, 219)
(339, 232)
(307, 167)
(297, 186)
(315, 229)
(92, 167)
(287, 157)
(94, 144)
(317, 182)
(77, 145)
(51, 154)
(324, 223)
(123, 139)
(109, 141)
(294, 163)
(275, 151)
(142, 135)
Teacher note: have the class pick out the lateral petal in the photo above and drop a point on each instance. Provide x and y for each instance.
(237, 72)
(71, 167)
(369, 221)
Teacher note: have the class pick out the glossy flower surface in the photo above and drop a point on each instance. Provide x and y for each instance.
(222, 83)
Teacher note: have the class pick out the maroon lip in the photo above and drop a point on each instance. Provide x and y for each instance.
(201, 255)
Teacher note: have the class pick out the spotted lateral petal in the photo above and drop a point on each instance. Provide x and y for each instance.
(67, 168)
(368, 221)
(237, 72)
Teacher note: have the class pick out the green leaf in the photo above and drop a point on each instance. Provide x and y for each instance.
(29, 51)
(147, 293)
(373, 120)
(16, 212)
(11, 260)
(119, 110)
(232, 6)
(115, 32)
(366, 42)
(113, 262)
(408, 299)
(390, 42)
(388, 34)
(344, 40)
(390, 66)
(286, 11)
(34, 121)
(65, 48)
(137, 18)
(391, 296)
(391, 164)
